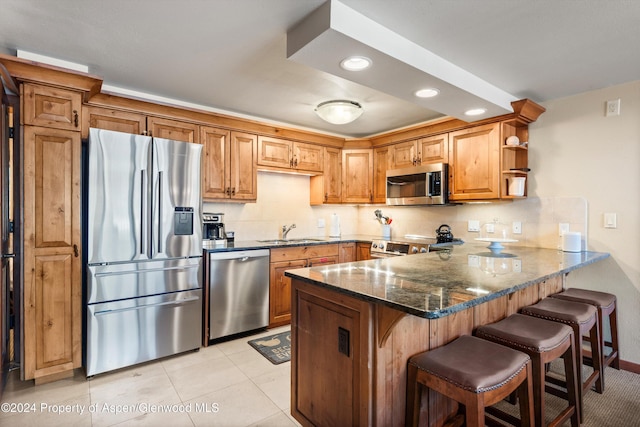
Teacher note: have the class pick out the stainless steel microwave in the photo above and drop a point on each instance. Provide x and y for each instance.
(418, 185)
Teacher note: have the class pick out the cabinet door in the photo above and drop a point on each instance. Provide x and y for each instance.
(347, 252)
(119, 121)
(433, 149)
(274, 152)
(357, 176)
(243, 178)
(51, 107)
(474, 163)
(215, 170)
(381, 160)
(404, 155)
(173, 129)
(280, 291)
(363, 251)
(52, 267)
(307, 157)
(332, 175)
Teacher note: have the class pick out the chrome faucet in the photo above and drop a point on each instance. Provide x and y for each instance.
(286, 230)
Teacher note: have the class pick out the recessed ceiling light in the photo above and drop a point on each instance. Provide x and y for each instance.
(427, 93)
(475, 111)
(355, 63)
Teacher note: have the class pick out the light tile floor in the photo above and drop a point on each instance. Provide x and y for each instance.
(227, 384)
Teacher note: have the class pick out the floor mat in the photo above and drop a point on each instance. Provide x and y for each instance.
(276, 348)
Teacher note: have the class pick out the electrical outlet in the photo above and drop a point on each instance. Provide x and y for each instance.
(473, 225)
(613, 108)
(321, 222)
(517, 227)
(490, 227)
(563, 227)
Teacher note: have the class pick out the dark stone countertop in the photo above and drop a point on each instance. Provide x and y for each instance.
(265, 244)
(437, 284)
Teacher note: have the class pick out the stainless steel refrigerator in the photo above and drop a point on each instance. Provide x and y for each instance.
(144, 249)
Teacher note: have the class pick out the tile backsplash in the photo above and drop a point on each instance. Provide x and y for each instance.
(284, 199)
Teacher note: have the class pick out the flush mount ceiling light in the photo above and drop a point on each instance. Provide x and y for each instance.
(335, 31)
(427, 93)
(355, 63)
(339, 112)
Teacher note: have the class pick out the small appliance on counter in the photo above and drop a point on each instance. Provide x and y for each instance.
(213, 228)
(444, 234)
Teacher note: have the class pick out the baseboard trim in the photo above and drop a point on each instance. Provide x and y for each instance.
(624, 365)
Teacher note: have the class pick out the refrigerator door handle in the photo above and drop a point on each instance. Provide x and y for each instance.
(147, 270)
(143, 210)
(139, 307)
(160, 217)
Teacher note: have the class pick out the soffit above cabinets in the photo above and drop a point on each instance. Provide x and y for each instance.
(399, 67)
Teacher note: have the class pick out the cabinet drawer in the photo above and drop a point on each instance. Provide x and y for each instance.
(303, 252)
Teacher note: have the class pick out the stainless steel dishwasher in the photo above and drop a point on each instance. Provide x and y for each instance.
(238, 292)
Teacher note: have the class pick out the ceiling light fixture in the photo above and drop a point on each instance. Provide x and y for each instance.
(427, 93)
(475, 111)
(339, 111)
(355, 63)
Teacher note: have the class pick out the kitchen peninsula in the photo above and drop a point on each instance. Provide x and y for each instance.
(354, 325)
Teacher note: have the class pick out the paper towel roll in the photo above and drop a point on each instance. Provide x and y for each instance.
(572, 241)
(334, 231)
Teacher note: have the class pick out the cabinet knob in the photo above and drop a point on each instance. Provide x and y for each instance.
(75, 118)
(75, 251)
(326, 196)
(233, 191)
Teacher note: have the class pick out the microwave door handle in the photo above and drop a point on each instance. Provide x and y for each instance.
(430, 182)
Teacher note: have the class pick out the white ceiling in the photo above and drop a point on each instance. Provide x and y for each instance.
(230, 55)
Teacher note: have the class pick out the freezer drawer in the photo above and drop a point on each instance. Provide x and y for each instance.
(142, 278)
(127, 332)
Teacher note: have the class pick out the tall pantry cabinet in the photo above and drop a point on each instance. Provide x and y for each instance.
(52, 292)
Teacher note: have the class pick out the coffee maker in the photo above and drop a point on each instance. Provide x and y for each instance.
(213, 227)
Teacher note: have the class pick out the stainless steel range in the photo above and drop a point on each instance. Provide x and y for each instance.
(408, 246)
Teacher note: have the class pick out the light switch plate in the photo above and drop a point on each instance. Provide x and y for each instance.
(320, 222)
(610, 220)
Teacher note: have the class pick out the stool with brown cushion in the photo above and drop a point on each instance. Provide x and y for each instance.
(474, 372)
(544, 341)
(605, 303)
(583, 320)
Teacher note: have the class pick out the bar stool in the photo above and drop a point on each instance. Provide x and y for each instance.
(544, 341)
(605, 303)
(474, 372)
(583, 320)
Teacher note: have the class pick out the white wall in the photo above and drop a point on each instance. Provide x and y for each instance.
(583, 164)
(577, 151)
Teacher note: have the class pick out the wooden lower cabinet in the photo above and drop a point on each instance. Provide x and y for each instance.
(363, 251)
(347, 252)
(280, 286)
(52, 254)
(349, 357)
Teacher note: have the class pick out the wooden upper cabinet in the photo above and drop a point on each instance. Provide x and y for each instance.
(284, 154)
(433, 149)
(274, 152)
(474, 163)
(404, 155)
(357, 176)
(228, 164)
(381, 162)
(173, 129)
(307, 156)
(116, 120)
(51, 107)
(215, 171)
(327, 188)
(243, 174)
